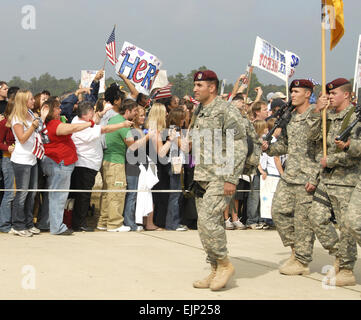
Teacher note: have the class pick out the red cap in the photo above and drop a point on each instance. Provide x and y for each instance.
(336, 83)
(301, 83)
(206, 75)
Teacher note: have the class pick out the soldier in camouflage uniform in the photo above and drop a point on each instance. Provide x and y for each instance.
(353, 213)
(217, 181)
(339, 176)
(293, 197)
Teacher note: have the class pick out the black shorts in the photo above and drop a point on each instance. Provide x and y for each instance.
(242, 185)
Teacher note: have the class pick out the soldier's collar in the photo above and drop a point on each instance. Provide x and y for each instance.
(342, 113)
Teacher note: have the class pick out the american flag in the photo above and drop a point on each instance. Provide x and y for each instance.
(193, 101)
(110, 48)
(164, 92)
(38, 148)
(315, 82)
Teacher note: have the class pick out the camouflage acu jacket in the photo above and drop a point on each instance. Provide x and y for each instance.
(344, 170)
(219, 143)
(301, 165)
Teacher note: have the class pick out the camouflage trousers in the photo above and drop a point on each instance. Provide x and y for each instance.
(210, 222)
(339, 197)
(320, 218)
(290, 206)
(353, 214)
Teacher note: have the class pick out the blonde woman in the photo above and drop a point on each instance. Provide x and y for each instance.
(158, 152)
(23, 124)
(136, 156)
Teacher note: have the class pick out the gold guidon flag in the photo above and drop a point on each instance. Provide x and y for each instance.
(336, 21)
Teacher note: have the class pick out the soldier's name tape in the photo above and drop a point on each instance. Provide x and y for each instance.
(102, 191)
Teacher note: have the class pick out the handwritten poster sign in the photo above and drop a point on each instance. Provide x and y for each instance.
(268, 58)
(87, 76)
(139, 66)
(292, 61)
(161, 80)
(267, 191)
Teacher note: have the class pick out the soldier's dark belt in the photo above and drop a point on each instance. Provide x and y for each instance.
(195, 190)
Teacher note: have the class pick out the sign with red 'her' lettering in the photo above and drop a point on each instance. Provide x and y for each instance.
(267, 57)
(139, 66)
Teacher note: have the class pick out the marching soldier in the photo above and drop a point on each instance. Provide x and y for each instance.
(293, 197)
(214, 184)
(353, 214)
(339, 176)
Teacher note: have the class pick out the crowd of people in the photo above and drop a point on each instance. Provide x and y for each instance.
(152, 181)
(50, 142)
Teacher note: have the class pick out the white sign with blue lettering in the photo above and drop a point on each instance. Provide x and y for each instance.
(139, 66)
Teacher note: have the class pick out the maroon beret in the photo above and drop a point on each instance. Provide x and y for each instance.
(301, 83)
(336, 83)
(206, 75)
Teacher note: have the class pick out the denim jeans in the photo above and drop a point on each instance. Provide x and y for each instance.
(253, 202)
(130, 201)
(173, 219)
(58, 177)
(6, 203)
(26, 177)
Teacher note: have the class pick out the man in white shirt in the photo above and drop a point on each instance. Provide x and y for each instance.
(89, 149)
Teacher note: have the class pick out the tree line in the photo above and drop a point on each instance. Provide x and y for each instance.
(182, 84)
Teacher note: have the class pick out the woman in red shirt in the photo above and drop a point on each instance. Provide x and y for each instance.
(58, 164)
(7, 142)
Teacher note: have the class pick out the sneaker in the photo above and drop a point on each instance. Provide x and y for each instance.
(255, 226)
(266, 226)
(139, 229)
(34, 230)
(12, 231)
(23, 233)
(120, 229)
(260, 226)
(181, 228)
(67, 232)
(229, 224)
(102, 228)
(239, 225)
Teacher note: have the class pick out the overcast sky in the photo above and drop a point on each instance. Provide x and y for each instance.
(184, 34)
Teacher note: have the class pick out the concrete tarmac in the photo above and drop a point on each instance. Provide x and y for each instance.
(156, 265)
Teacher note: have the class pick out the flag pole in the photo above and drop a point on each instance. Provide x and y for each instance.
(249, 84)
(355, 82)
(105, 60)
(323, 44)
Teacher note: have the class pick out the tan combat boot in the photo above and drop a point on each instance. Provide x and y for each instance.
(290, 260)
(344, 278)
(206, 282)
(224, 272)
(295, 268)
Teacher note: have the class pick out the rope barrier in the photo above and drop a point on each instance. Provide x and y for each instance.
(100, 191)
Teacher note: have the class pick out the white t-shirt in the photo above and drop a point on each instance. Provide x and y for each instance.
(23, 153)
(268, 163)
(88, 146)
